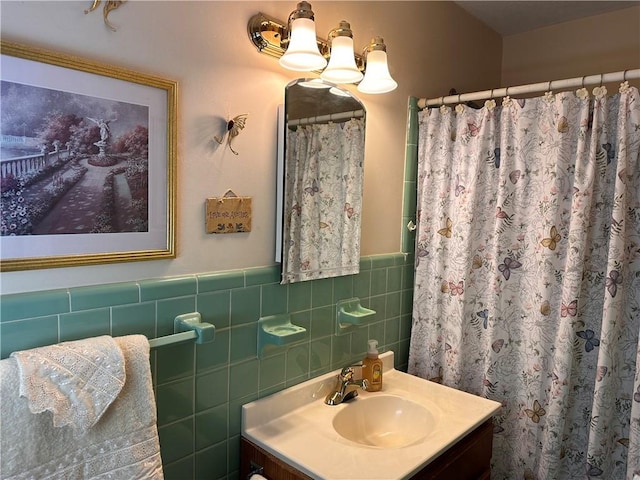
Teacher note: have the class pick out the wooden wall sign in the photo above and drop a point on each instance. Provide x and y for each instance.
(228, 214)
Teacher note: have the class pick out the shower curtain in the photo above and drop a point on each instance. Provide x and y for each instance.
(527, 286)
(323, 198)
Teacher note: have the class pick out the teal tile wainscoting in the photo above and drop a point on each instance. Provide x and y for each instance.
(200, 388)
(409, 201)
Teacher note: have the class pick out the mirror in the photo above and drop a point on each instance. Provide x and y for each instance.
(322, 173)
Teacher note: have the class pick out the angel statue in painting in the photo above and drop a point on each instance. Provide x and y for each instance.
(104, 128)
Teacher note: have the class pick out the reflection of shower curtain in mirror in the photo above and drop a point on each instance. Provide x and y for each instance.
(323, 199)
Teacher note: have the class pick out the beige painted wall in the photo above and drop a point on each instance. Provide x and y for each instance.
(432, 47)
(599, 44)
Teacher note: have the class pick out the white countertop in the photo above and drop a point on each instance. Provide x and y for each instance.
(295, 426)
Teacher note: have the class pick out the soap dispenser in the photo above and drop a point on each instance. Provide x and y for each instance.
(372, 368)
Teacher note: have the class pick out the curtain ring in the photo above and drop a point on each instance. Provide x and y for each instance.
(458, 98)
(582, 82)
(441, 100)
(506, 92)
(549, 86)
(491, 95)
(624, 76)
(600, 79)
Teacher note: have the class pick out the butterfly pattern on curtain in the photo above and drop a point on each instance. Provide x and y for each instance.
(527, 285)
(323, 198)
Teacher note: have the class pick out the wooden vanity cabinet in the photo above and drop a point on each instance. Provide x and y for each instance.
(469, 459)
(273, 468)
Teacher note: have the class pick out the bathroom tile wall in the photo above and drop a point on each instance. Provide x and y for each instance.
(409, 202)
(200, 388)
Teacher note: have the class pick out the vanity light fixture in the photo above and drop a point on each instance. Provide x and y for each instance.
(377, 78)
(302, 54)
(342, 62)
(283, 41)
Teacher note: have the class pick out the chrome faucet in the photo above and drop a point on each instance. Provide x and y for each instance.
(346, 387)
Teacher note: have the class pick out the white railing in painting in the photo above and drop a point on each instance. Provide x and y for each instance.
(18, 166)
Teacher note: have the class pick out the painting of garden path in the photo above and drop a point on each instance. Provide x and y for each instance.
(71, 163)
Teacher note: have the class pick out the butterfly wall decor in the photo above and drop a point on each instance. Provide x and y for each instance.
(234, 127)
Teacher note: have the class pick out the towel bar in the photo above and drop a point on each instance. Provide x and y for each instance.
(187, 327)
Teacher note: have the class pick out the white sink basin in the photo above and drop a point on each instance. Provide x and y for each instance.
(391, 434)
(384, 421)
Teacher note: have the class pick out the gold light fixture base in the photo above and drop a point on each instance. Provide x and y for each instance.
(269, 36)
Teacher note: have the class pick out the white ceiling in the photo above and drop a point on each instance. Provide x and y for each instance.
(509, 17)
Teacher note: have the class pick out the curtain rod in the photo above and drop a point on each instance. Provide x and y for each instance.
(326, 118)
(533, 87)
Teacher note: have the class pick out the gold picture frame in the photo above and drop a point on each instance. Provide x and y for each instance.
(93, 101)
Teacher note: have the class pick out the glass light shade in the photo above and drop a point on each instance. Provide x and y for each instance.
(377, 78)
(342, 63)
(303, 55)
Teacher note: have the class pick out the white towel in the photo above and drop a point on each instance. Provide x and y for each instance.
(75, 381)
(122, 444)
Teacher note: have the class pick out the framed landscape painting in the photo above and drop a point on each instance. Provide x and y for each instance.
(87, 162)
